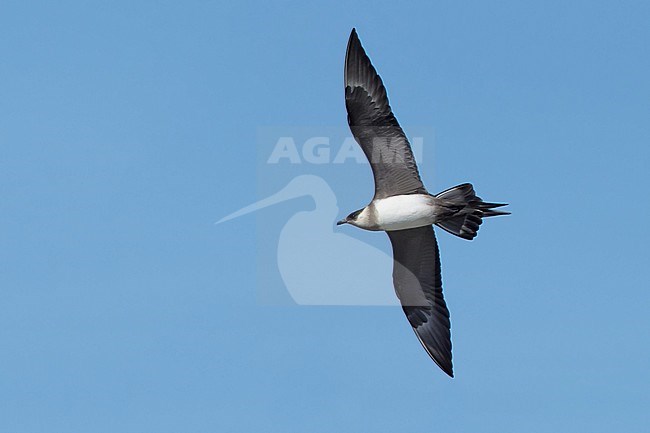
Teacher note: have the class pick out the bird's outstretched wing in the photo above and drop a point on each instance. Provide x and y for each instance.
(418, 284)
(375, 128)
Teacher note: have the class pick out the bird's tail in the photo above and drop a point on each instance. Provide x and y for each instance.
(469, 211)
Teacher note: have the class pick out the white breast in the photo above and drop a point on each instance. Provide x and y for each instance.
(404, 211)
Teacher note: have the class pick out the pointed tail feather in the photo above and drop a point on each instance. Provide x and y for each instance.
(469, 211)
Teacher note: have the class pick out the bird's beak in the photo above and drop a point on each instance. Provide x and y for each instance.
(338, 223)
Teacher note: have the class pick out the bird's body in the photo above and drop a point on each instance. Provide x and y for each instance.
(404, 209)
(400, 212)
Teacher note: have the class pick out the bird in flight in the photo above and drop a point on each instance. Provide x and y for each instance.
(404, 209)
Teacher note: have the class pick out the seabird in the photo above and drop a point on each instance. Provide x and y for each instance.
(404, 209)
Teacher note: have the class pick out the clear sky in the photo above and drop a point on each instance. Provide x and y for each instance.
(128, 128)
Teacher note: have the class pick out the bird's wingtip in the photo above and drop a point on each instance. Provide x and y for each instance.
(354, 37)
(447, 369)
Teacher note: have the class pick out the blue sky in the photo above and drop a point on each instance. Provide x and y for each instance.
(128, 128)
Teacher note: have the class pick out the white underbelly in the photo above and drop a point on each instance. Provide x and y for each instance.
(404, 212)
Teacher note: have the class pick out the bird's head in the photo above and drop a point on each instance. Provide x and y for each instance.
(355, 218)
